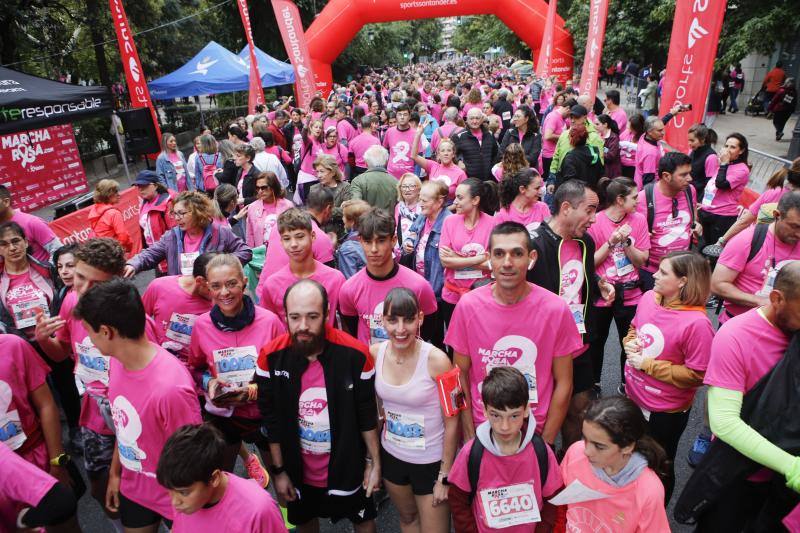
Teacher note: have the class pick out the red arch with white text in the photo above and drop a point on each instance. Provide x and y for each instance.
(340, 21)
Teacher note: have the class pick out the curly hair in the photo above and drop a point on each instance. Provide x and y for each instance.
(198, 205)
(102, 253)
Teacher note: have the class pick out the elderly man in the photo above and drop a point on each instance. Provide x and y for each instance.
(476, 148)
(376, 186)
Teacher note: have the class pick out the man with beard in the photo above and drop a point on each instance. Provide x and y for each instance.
(316, 394)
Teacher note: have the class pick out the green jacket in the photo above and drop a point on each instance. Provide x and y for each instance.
(376, 187)
(563, 146)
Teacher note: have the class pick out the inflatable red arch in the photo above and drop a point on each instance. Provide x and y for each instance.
(341, 20)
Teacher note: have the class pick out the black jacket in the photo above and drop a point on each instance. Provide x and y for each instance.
(531, 144)
(248, 183)
(583, 163)
(350, 385)
(546, 272)
(229, 173)
(699, 178)
(504, 110)
(478, 157)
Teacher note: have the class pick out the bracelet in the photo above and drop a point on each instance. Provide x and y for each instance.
(368, 460)
(206, 378)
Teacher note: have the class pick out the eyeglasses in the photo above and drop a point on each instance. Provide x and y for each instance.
(179, 214)
(263, 187)
(16, 241)
(408, 187)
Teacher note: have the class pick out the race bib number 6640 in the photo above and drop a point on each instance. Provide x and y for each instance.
(510, 506)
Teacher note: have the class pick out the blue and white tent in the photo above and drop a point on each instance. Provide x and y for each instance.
(273, 72)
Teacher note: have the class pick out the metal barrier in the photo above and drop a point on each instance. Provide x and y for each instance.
(764, 165)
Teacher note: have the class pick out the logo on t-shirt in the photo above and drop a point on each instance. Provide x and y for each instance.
(514, 351)
(128, 428)
(11, 433)
(676, 228)
(314, 422)
(572, 281)
(652, 341)
(582, 519)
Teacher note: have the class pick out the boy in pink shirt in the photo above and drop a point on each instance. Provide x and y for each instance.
(359, 144)
(151, 395)
(205, 498)
(297, 238)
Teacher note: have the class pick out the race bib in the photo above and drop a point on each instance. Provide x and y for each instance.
(144, 223)
(469, 273)
(24, 313)
(708, 195)
(506, 115)
(510, 506)
(11, 433)
(91, 364)
(405, 430)
(180, 327)
(577, 315)
(621, 261)
(236, 365)
(314, 422)
(187, 262)
(769, 283)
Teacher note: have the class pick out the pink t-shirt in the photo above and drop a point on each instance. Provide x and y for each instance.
(726, 201)
(245, 506)
(399, 145)
(362, 296)
(262, 218)
(518, 335)
(498, 472)
(555, 122)
(648, 155)
(315, 426)
(636, 507)
(174, 311)
(359, 146)
(466, 243)
(617, 268)
(669, 234)
(768, 200)
(734, 363)
(148, 406)
(23, 299)
(346, 130)
(682, 337)
(531, 219)
(620, 117)
(21, 485)
(274, 289)
(177, 162)
(627, 149)
(22, 371)
(758, 275)
(38, 234)
(309, 156)
(445, 130)
(231, 355)
(451, 175)
(191, 243)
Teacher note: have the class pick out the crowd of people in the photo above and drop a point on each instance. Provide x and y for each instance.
(409, 287)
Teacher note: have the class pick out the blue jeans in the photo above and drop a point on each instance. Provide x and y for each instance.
(734, 94)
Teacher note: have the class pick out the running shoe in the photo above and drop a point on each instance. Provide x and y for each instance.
(699, 448)
(256, 470)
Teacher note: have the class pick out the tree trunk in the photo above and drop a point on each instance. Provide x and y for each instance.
(8, 40)
(96, 20)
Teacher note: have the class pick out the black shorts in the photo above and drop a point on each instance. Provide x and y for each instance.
(421, 477)
(236, 429)
(582, 374)
(315, 502)
(133, 515)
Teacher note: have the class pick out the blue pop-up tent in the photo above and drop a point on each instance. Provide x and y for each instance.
(273, 72)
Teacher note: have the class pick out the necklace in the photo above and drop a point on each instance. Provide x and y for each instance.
(399, 361)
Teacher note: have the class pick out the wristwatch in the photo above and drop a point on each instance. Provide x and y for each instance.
(445, 482)
(60, 460)
(276, 470)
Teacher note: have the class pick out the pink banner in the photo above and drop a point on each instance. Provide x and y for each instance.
(543, 66)
(598, 11)
(692, 49)
(41, 167)
(256, 95)
(295, 42)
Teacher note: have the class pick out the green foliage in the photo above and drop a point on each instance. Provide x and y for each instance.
(482, 32)
(757, 25)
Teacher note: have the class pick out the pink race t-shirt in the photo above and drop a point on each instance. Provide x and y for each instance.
(617, 267)
(346, 130)
(555, 122)
(244, 506)
(758, 275)
(23, 299)
(399, 145)
(40, 237)
(451, 175)
(315, 426)
(734, 363)
(726, 201)
(231, 355)
(465, 243)
(627, 148)
(519, 335)
(362, 296)
(21, 485)
(191, 243)
(148, 406)
(669, 233)
(767, 201)
(620, 117)
(277, 284)
(636, 507)
(531, 219)
(359, 146)
(682, 337)
(648, 154)
(445, 130)
(174, 311)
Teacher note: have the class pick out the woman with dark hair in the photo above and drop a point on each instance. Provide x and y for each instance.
(521, 199)
(262, 215)
(583, 162)
(618, 458)
(608, 130)
(668, 348)
(705, 163)
(628, 141)
(525, 131)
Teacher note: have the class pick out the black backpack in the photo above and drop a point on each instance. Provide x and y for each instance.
(650, 199)
(476, 455)
(759, 236)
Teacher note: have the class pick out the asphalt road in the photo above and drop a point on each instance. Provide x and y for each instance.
(93, 520)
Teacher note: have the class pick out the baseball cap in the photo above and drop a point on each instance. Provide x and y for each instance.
(146, 177)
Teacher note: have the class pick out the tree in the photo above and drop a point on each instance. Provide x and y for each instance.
(479, 33)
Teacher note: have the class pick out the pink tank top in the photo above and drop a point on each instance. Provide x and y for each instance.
(414, 430)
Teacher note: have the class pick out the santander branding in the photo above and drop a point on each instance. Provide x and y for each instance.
(695, 34)
(296, 53)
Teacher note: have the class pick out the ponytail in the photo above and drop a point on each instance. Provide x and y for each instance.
(609, 189)
(509, 187)
(485, 191)
(704, 134)
(656, 456)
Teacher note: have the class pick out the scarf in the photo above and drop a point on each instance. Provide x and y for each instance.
(236, 323)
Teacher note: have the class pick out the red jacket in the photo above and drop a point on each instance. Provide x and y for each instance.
(277, 136)
(106, 221)
(159, 220)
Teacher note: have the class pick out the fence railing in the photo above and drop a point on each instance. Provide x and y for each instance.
(764, 165)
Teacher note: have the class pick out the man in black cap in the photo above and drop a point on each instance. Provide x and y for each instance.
(577, 115)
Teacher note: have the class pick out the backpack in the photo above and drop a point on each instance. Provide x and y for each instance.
(536, 90)
(650, 199)
(210, 181)
(476, 455)
(759, 236)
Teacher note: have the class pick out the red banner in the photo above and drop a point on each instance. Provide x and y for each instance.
(74, 228)
(543, 65)
(134, 75)
(41, 167)
(256, 95)
(295, 42)
(692, 49)
(598, 11)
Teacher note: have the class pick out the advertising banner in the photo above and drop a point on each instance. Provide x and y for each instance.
(41, 167)
(598, 11)
(296, 47)
(256, 94)
(546, 50)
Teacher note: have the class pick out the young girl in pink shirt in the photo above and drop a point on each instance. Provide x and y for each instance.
(617, 458)
(445, 170)
(520, 198)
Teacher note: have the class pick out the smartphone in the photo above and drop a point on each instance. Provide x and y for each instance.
(686, 107)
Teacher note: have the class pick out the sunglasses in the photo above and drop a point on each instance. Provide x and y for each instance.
(262, 187)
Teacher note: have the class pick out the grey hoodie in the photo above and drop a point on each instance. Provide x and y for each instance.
(484, 434)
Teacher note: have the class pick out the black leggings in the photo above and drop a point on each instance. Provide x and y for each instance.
(666, 429)
(779, 120)
(622, 315)
(58, 505)
(714, 227)
(62, 381)
(445, 314)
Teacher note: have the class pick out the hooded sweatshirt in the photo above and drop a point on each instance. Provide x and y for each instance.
(106, 221)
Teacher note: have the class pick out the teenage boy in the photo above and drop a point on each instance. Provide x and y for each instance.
(512, 463)
(151, 394)
(511, 323)
(206, 498)
(361, 297)
(398, 140)
(297, 238)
